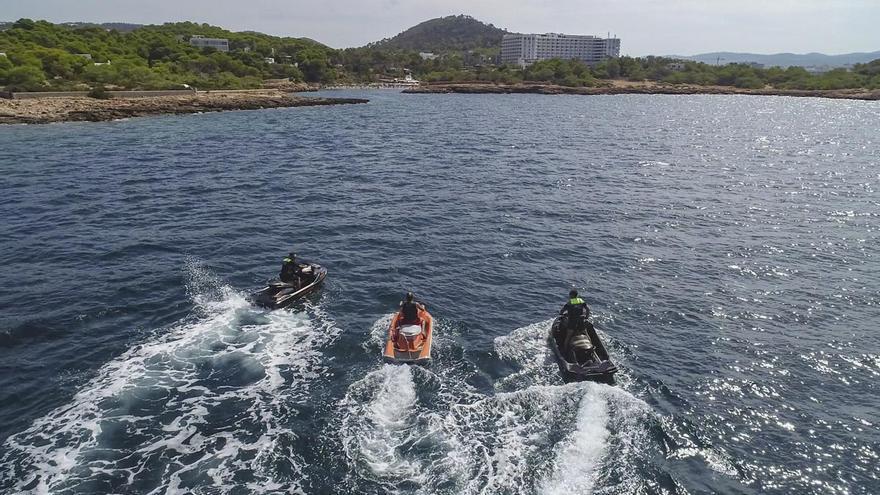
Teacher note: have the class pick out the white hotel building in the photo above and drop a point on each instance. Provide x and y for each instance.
(525, 49)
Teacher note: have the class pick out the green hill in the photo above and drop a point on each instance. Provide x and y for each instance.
(42, 56)
(451, 33)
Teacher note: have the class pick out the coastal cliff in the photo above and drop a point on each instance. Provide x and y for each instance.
(637, 88)
(73, 109)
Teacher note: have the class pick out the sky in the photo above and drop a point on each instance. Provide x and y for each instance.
(646, 27)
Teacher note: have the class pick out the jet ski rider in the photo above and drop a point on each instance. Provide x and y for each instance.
(575, 309)
(290, 270)
(576, 312)
(409, 310)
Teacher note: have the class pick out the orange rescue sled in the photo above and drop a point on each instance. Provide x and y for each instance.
(410, 343)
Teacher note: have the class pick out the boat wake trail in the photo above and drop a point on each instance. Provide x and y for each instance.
(211, 401)
(411, 430)
(386, 432)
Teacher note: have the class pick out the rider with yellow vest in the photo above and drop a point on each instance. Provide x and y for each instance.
(576, 310)
(290, 271)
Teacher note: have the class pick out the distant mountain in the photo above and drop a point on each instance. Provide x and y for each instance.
(455, 32)
(785, 59)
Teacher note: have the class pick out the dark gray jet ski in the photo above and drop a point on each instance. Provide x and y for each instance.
(282, 294)
(585, 357)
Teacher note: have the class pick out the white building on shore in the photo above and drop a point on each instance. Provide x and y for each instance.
(526, 49)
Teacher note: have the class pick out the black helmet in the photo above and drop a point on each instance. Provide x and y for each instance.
(573, 293)
(410, 296)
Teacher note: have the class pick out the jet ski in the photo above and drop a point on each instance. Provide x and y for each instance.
(409, 343)
(282, 294)
(585, 358)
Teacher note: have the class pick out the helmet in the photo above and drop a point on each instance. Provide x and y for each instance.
(410, 296)
(573, 293)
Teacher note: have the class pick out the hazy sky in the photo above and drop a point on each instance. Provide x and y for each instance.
(660, 27)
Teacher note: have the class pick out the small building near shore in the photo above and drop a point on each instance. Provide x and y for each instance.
(219, 44)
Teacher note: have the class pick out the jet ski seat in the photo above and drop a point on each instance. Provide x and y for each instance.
(581, 342)
(410, 331)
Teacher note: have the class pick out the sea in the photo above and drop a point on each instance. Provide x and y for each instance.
(726, 245)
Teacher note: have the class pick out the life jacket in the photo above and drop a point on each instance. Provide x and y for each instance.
(577, 307)
(288, 270)
(409, 311)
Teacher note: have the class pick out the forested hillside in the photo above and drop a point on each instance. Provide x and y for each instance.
(669, 71)
(41, 56)
(451, 33)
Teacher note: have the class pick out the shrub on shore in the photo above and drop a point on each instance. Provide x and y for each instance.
(100, 93)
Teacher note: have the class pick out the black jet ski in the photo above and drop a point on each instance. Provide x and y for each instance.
(585, 358)
(282, 294)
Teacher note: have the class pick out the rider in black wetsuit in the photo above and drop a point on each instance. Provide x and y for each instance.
(409, 310)
(576, 312)
(290, 269)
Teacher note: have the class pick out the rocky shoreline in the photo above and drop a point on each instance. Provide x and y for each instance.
(78, 109)
(638, 88)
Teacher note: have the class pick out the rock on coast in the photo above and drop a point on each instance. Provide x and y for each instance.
(620, 87)
(73, 109)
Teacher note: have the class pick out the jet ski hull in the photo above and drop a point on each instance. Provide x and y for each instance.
(400, 349)
(281, 295)
(594, 365)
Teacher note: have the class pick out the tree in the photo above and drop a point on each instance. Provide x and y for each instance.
(25, 78)
(313, 64)
(25, 24)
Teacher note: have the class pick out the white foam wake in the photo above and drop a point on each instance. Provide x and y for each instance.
(410, 430)
(526, 347)
(207, 402)
(582, 451)
(384, 424)
(378, 334)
